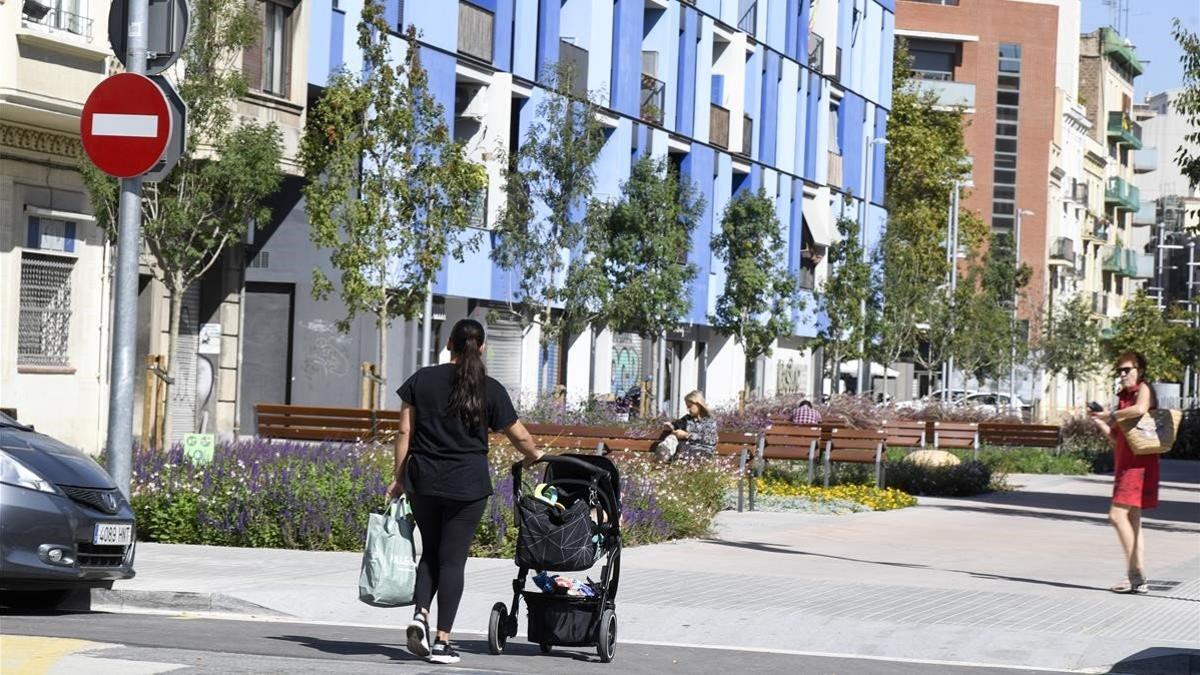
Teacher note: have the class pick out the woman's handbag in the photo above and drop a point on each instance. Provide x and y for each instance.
(389, 564)
(1152, 433)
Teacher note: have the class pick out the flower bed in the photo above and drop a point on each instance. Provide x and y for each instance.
(317, 497)
(780, 491)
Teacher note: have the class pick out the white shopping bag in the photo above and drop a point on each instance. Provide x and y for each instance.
(389, 565)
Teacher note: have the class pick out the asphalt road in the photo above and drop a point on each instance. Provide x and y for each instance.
(147, 643)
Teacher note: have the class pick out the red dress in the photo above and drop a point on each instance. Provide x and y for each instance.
(1135, 480)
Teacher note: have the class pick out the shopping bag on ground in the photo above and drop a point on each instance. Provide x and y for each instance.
(389, 564)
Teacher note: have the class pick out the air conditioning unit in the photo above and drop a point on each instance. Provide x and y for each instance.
(470, 101)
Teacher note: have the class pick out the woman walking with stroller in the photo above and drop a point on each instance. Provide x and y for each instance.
(441, 465)
(1135, 478)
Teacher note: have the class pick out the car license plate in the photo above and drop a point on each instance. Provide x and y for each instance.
(113, 534)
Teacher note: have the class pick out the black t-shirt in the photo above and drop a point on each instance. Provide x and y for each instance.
(445, 457)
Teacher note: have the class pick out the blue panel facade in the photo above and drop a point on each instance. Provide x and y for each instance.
(547, 34)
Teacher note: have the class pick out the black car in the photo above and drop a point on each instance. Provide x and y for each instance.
(64, 525)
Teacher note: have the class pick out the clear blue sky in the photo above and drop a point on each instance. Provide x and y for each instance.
(1150, 32)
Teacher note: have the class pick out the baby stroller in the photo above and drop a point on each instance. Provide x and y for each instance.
(570, 536)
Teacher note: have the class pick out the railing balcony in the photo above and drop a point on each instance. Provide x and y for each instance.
(1120, 261)
(1122, 195)
(949, 93)
(835, 169)
(1114, 46)
(576, 61)
(1098, 229)
(475, 31)
(1143, 266)
(816, 52)
(36, 13)
(1123, 129)
(1062, 252)
(718, 126)
(747, 135)
(653, 99)
(749, 20)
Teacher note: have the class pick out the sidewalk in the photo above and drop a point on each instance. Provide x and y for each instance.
(1015, 579)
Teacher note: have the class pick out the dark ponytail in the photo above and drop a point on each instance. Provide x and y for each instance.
(468, 387)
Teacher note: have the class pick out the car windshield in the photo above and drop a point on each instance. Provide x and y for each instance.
(6, 421)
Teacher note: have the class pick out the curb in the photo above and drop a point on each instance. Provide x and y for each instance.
(179, 601)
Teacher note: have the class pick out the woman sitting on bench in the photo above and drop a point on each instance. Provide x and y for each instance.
(693, 436)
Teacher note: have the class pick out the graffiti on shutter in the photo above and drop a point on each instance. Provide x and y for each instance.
(626, 362)
(182, 406)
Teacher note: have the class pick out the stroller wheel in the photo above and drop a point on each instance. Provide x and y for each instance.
(545, 648)
(497, 633)
(606, 637)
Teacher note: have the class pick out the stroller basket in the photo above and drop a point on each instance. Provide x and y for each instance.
(565, 620)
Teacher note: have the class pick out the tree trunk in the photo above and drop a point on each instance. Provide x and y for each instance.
(175, 295)
(381, 385)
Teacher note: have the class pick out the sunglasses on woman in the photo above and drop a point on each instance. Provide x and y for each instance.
(1125, 370)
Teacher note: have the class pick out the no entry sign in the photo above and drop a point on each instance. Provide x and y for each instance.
(126, 124)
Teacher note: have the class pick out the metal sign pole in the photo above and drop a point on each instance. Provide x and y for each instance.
(129, 236)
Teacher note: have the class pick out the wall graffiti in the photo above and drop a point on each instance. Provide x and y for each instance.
(626, 363)
(326, 358)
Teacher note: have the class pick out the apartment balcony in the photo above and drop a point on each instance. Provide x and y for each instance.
(1062, 252)
(718, 126)
(747, 135)
(948, 93)
(816, 52)
(54, 18)
(1120, 261)
(1122, 129)
(1146, 160)
(1146, 215)
(1122, 195)
(653, 99)
(835, 169)
(1115, 47)
(475, 31)
(1143, 267)
(576, 61)
(1098, 230)
(1100, 303)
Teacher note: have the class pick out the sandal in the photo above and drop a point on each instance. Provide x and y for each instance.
(1138, 585)
(1122, 586)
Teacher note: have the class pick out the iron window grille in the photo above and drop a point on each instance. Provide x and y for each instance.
(44, 322)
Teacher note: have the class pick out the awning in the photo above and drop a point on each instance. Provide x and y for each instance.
(816, 219)
(851, 368)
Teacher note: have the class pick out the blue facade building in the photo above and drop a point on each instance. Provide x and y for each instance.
(782, 95)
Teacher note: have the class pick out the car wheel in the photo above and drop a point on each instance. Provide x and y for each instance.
(34, 600)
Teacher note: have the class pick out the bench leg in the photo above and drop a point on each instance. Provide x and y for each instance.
(878, 468)
(741, 478)
(828, 464)
(812, 462)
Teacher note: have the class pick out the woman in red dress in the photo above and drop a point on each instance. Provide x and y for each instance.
(1135, 479)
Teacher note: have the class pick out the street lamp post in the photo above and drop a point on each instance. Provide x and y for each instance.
(952, 272)
(864, 364)
(1012, 364)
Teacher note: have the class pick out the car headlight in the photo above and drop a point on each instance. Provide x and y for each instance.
(15, 473)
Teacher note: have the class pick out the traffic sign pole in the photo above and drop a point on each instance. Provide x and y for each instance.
(129, 236)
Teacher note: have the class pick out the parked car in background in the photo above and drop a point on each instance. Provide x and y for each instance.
(936, 397)
(997, 402)
(64, 525)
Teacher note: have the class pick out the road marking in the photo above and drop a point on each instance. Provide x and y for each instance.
(134, 126)
(22, 655)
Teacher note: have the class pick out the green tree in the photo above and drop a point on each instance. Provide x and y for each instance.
(841, 296)
(897, 288)
(1071, 342)
(1187, 156)
(547, 184)
(756, 305)
(227, 171)
(639, 252)
(988, 338)
(389, 188)
(1143, 328)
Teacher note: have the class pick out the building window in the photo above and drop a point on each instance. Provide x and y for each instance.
(1008, 101)
(267, 65)
(933, 59)
(475, 28)
(44, 323)
(63, 15)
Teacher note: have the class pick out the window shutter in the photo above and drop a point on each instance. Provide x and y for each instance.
(252, 64)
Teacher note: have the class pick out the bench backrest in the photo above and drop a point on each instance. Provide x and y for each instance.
(904, 433)
(315, 423)
(960, 435)
(1027, 435)
(790, 441)
(854, 445)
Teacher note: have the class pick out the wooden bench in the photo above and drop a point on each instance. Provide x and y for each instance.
(907, 434)
(860, 446)
(957, 436)
(314, 423)
(1021, 435)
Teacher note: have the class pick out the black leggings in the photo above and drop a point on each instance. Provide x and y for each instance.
(447, 528)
